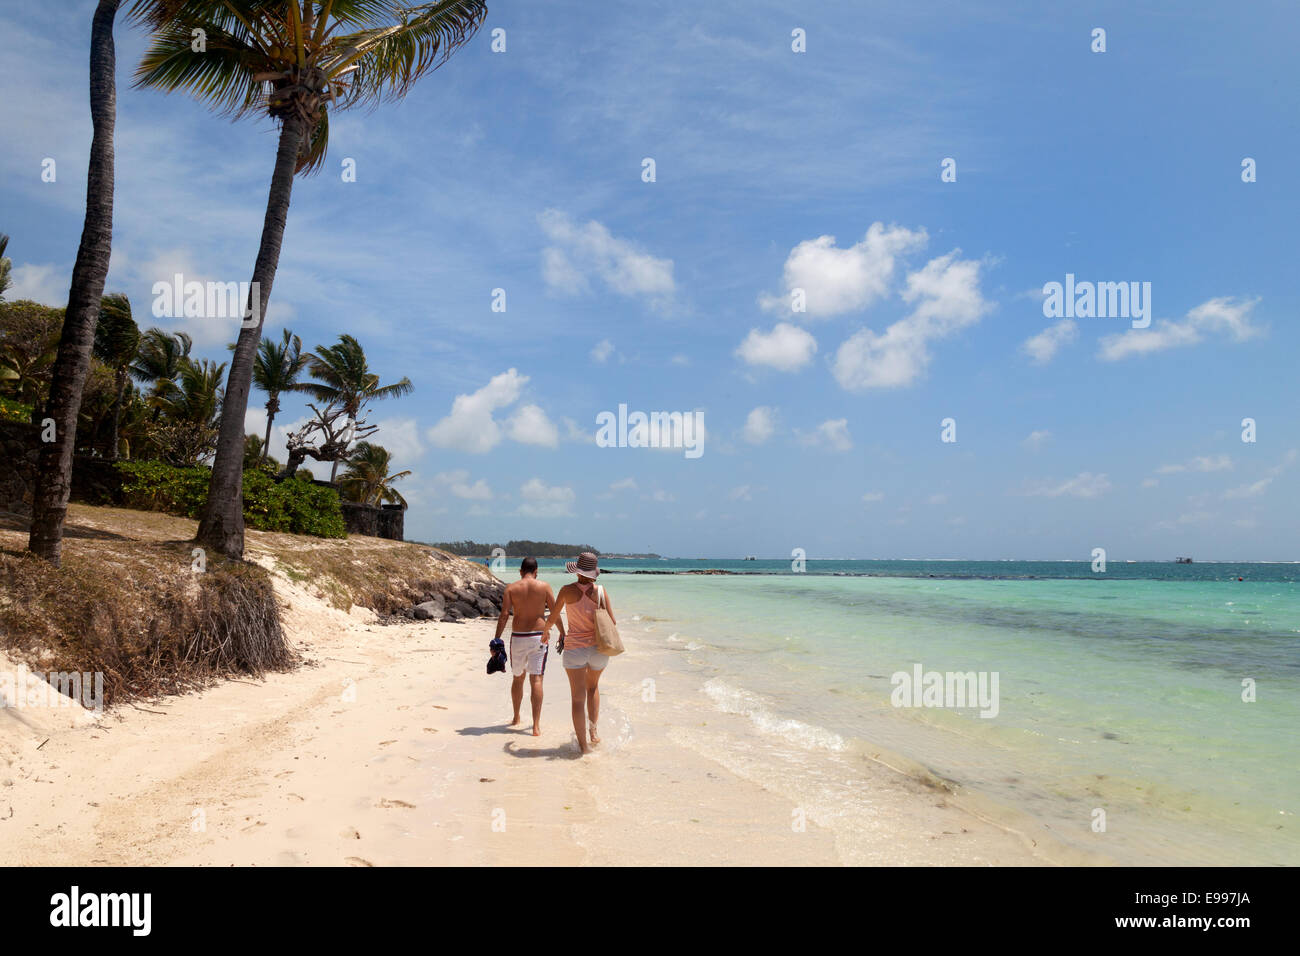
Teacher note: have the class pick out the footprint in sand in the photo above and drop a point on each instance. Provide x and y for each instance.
(396, 803)
(297, 797)
(438, 707)
(283, 773)
(385, 743)
(357, 861)
(430, 730)
(350, 833)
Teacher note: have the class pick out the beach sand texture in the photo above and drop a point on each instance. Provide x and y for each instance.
(390, 748)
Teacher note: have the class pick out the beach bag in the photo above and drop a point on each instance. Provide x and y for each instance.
(607, 640)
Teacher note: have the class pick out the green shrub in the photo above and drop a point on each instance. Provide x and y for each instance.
(296, 507)
(14, 411)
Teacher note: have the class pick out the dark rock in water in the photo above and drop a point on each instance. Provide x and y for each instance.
(430, 610)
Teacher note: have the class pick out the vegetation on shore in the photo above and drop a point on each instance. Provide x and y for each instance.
(515, 549)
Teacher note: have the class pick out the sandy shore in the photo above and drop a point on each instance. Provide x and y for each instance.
(391, 748)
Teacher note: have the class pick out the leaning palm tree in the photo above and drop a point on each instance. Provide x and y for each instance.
(367, 479)
(276, 370)
(54, 468)
(343, 378)
(158, 364)
(292, 60)
(117, 342)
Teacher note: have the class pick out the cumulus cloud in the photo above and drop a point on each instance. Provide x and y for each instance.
(947, 298)
(601, 352)
(1256, 488)
(834, 280)
(530, 426)
(760, 424)
(873, 496)
(580, 253)
(540, 500)
(1042, 348)
(786, 348)
(1037, 437)
(1224, 317)
(1083, 485)
(832, 434)
(1199, 463)
(471, 426)
(40, 283)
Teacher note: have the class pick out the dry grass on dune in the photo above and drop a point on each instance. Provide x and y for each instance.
(128, 603)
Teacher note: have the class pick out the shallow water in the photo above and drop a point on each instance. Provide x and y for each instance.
(1117, 692)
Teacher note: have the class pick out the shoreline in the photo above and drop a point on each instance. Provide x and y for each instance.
(389, 747)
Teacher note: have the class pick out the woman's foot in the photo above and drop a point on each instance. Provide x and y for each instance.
(591, 734)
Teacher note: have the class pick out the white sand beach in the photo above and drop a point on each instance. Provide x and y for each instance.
(390, 748)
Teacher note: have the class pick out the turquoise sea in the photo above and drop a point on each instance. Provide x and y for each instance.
(1119, 691)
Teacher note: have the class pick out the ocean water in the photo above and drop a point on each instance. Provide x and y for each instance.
(1119, 692)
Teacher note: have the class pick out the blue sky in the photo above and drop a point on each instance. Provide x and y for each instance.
(523, 171)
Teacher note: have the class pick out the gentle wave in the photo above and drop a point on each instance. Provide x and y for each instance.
(737, 700)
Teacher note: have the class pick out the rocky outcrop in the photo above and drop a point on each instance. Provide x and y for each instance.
(457, 602)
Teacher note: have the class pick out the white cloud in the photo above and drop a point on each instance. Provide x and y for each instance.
(472, 428)
(458, 483)
(786, 348)
(1037, 437)
(837, 280)
(873, 496)
(1254, 489)
(1225, 316)
(760, 425)
(947, 296)
(1042, 348)
(625, 484)
(580, 252)
(44, 284)
(401, 436)
(740, 493)
(602, 351)
(540, 500)
(1200, 463)
(1083, 485)
(937, 499)
(832, 434)
(530, 426)
(663, 496)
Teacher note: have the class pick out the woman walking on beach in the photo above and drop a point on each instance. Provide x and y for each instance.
(583, 663)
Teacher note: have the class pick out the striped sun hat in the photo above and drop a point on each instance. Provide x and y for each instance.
(585, 565)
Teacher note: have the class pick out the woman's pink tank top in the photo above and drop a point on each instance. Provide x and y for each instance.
(582, 620)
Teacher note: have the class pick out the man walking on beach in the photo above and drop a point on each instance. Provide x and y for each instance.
(529, 600)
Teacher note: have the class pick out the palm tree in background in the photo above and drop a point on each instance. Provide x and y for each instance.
(367, 479)
(275, 370)
(343, 377)
(292, 60)
(117, 340)
(158, 364)
(197, 398)
(54, 467)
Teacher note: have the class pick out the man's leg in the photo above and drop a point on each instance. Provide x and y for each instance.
(578, 696)
(536, 681)
(593, 700)
(517, 695)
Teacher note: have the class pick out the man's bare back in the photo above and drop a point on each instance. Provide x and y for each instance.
(528, 599)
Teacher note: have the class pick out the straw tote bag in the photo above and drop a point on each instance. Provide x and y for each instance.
(607, 640)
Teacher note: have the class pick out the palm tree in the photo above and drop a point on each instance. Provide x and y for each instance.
(367, 479)
(158, 363)
(197, 399)
(29, 344)
(54, 467)
(344, 378)
(275, 370)
(291, 60)
(117, 340)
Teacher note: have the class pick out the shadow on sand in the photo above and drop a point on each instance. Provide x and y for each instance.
(566, 752)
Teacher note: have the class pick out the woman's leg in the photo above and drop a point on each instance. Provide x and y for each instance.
(593, 700)
(578, 696)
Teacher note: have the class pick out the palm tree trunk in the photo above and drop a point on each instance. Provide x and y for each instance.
(117, 414)
(54, 474)
(221, 525)
(270, 417)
